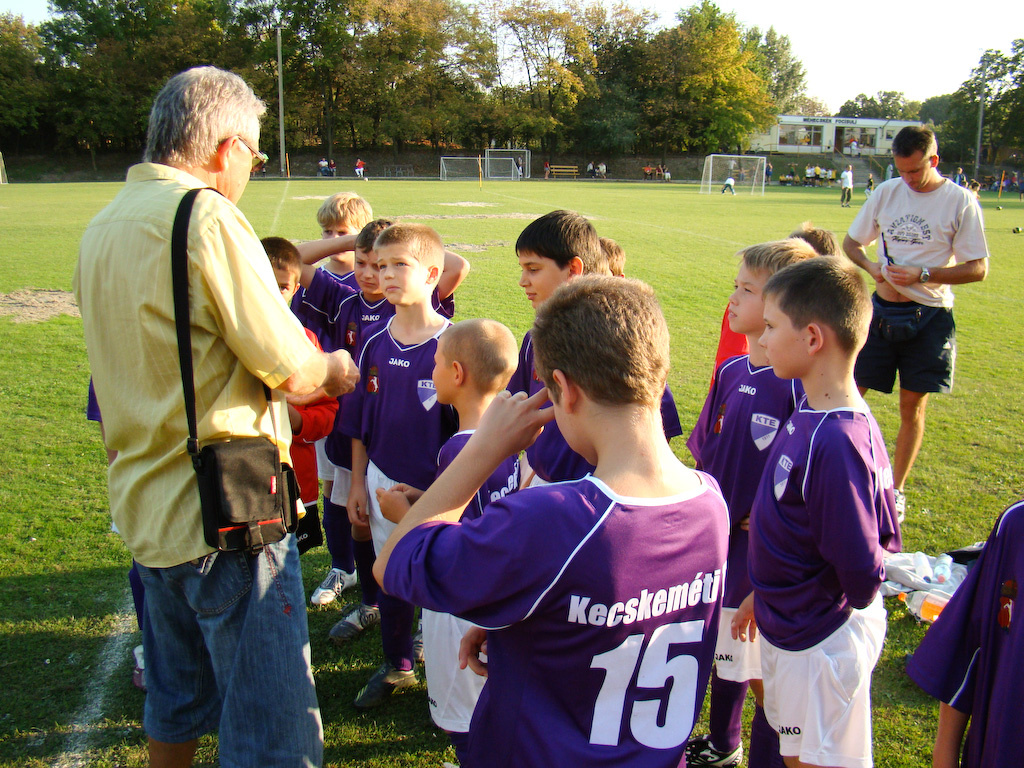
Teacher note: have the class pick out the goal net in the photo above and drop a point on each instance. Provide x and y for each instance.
(454, 168)
(503, 168)
(519, 157)
(746, 171)
(3, 170)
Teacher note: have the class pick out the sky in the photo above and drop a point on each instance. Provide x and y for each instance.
(847, 48)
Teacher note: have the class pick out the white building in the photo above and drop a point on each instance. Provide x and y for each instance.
(814, 135)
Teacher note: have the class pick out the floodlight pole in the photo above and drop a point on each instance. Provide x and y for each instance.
(280, 97)
(977, 145)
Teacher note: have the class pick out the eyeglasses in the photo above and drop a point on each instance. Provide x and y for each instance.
(259, 159)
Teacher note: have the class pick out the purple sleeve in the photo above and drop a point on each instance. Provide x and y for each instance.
(351, 414)
(92, 407)
(841, 487)
(490, 571)
(670, 415)
(695, 442)
(325, 294)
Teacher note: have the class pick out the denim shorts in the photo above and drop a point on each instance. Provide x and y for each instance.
(227, 648)
(917, 341)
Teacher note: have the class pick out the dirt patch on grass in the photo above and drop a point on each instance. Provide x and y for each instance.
(32, 306)
(476, 247)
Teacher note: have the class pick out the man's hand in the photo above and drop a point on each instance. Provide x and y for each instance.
(474, 643)
(903, 275)
(342, 374)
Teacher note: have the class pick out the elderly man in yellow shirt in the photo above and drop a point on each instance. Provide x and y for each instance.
(225, 635)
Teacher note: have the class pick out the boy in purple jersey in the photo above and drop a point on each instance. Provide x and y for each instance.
(741, 417)
(347, 318)
(473, 363)
(970, 658)
(553, 249)
(600, 596)
(395, 422)
(822, 518)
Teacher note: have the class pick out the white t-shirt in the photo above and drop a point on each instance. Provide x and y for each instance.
(846, 180)
(922, 229)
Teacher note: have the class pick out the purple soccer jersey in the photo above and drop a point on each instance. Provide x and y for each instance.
(503, 481)
(444, 307)
(315, 314)
(823, 513)
(394, 409)
(743, 413)
(550, 456)
(970, 657)
(602, 614)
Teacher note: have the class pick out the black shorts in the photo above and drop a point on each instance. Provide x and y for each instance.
(917, 341)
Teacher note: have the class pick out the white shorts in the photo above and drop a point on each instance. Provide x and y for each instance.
(527, 477)
(736, 660)
(380, 528)
(324, 466)
(451, 692)
(342, 485)
(819, 699)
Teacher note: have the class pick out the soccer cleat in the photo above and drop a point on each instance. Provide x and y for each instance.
(352, 624)
(901, 505)
(336, 582)
(700, 752)
(385, 681)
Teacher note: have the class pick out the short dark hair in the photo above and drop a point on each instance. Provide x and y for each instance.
(608, 335)
(824, 241)
(562, 236)
(486, 349)
(282, 253)
(915, 138)
(368, 234)
(828, 290)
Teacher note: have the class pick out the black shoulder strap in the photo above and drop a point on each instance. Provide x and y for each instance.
(179, 283)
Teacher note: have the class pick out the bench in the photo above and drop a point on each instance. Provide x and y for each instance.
(398, 171)
(567, 171)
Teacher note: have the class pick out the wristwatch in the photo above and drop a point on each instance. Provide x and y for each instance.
(925, 275)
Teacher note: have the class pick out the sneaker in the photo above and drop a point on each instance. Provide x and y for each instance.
(336, 582)
(901, 505)
(384, 682)
(139, 673)
(417, 646)
(699, 752)
(357, 619)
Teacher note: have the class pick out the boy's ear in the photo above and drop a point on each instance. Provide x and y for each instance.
(570, 399)
(433, 275)
(575, 266)
(814, 338)
(460, 373)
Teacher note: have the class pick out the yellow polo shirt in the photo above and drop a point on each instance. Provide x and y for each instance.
(243, 334)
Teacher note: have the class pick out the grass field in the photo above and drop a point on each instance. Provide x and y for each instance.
(66, 625)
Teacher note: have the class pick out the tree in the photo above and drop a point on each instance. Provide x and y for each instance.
(810, 106)
(21, 81)
(775, 62)
(700, 90)
(885, 105)
(936, 110)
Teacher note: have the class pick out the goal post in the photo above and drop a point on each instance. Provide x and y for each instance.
(3, 170)
(501, 169)
(461, 168)
(746, 171)
(520, 163)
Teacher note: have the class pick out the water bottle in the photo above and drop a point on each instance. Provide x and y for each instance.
(922, 567)
(943, 568)
(924, 606)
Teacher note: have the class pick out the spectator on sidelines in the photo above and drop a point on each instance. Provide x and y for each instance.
(209, 614)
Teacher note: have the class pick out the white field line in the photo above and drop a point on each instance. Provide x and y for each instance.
(280, 205)
(97, 690)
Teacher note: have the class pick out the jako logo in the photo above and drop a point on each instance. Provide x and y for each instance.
(400, 363)
(746, 389)
(789, 730)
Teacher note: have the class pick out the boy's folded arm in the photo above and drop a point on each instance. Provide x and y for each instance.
(313, 251)
(455, 270)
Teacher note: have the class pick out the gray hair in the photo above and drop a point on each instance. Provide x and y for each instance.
(195, 111)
